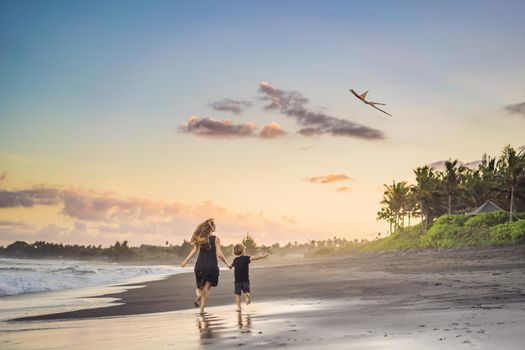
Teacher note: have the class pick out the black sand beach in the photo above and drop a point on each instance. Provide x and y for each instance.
(456, 278)
(461, 298)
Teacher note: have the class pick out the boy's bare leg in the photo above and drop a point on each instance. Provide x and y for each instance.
(206, 294)
(238, 302)
(247, 298)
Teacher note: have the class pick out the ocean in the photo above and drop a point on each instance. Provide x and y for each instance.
(19, 276)
(38, 286)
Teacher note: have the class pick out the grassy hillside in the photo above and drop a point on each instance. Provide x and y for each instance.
(456, 231)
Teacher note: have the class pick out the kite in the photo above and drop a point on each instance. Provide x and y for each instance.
(370, 103)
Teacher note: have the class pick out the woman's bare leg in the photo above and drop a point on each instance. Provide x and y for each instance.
(247, 298)
(238, 302)
(205, 295)
(198, 293)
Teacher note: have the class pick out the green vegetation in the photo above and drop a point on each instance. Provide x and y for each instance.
(440, 198)
(484, 229)
(458, 189)
(121, 251)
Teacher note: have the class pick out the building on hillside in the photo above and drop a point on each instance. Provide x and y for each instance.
(487, 207)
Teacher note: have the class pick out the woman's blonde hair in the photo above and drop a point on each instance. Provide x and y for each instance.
(202, 233)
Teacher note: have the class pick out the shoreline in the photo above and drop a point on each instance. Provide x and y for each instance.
(374, 275)
(409, 300)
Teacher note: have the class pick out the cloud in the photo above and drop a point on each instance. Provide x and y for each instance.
(140, 228)
(88, 205)
(78, 234)
(228, 105)
(326, 179)
(108, 208)
(15, 230)
(517, 108)
(209, 127)
(271, 131)
(293, 104)
(91, 217)
(18, 224)
(343, 189)
(29, 198)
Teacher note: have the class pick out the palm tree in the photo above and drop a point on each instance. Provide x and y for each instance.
(488, 171)
(451, 178)
(410, 204)
(394, 198)
(474, 190)
(426, 193)
(386, 214)
(511, 170)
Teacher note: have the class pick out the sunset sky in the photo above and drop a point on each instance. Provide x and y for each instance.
(136, 120)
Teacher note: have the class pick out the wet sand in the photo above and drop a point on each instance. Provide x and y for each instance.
(472, 298)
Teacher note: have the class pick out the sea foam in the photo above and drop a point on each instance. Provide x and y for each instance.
(19, 276)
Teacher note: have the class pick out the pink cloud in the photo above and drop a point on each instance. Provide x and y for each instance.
(272, 131)
(343, 189)
(330, 178)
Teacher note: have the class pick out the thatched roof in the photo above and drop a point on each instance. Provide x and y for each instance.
(486, 207)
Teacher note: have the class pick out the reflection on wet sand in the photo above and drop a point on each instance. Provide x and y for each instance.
(223, 328)
(209, 325)
(244, 324)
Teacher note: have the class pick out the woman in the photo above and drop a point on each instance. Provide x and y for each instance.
(207, 267)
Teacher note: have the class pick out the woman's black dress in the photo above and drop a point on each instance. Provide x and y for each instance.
(207, 267)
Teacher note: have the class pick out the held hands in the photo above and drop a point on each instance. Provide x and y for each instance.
(230, 266)
(183, 264)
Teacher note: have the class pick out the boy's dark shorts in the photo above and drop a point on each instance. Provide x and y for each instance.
(242, 286)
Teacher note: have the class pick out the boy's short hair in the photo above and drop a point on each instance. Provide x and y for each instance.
(238, 249)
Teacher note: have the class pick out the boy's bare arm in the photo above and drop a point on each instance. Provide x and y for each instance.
(258, 257)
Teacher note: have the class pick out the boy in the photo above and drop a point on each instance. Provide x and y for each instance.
(242, 278)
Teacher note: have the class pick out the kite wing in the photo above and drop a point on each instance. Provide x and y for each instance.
(356, 94)
(379, 109)
(363, 95)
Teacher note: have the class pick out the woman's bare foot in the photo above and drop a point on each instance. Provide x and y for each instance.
(247, 298)
(198, 298)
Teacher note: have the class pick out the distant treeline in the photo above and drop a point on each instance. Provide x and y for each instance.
(121, 251)
(457, 189)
